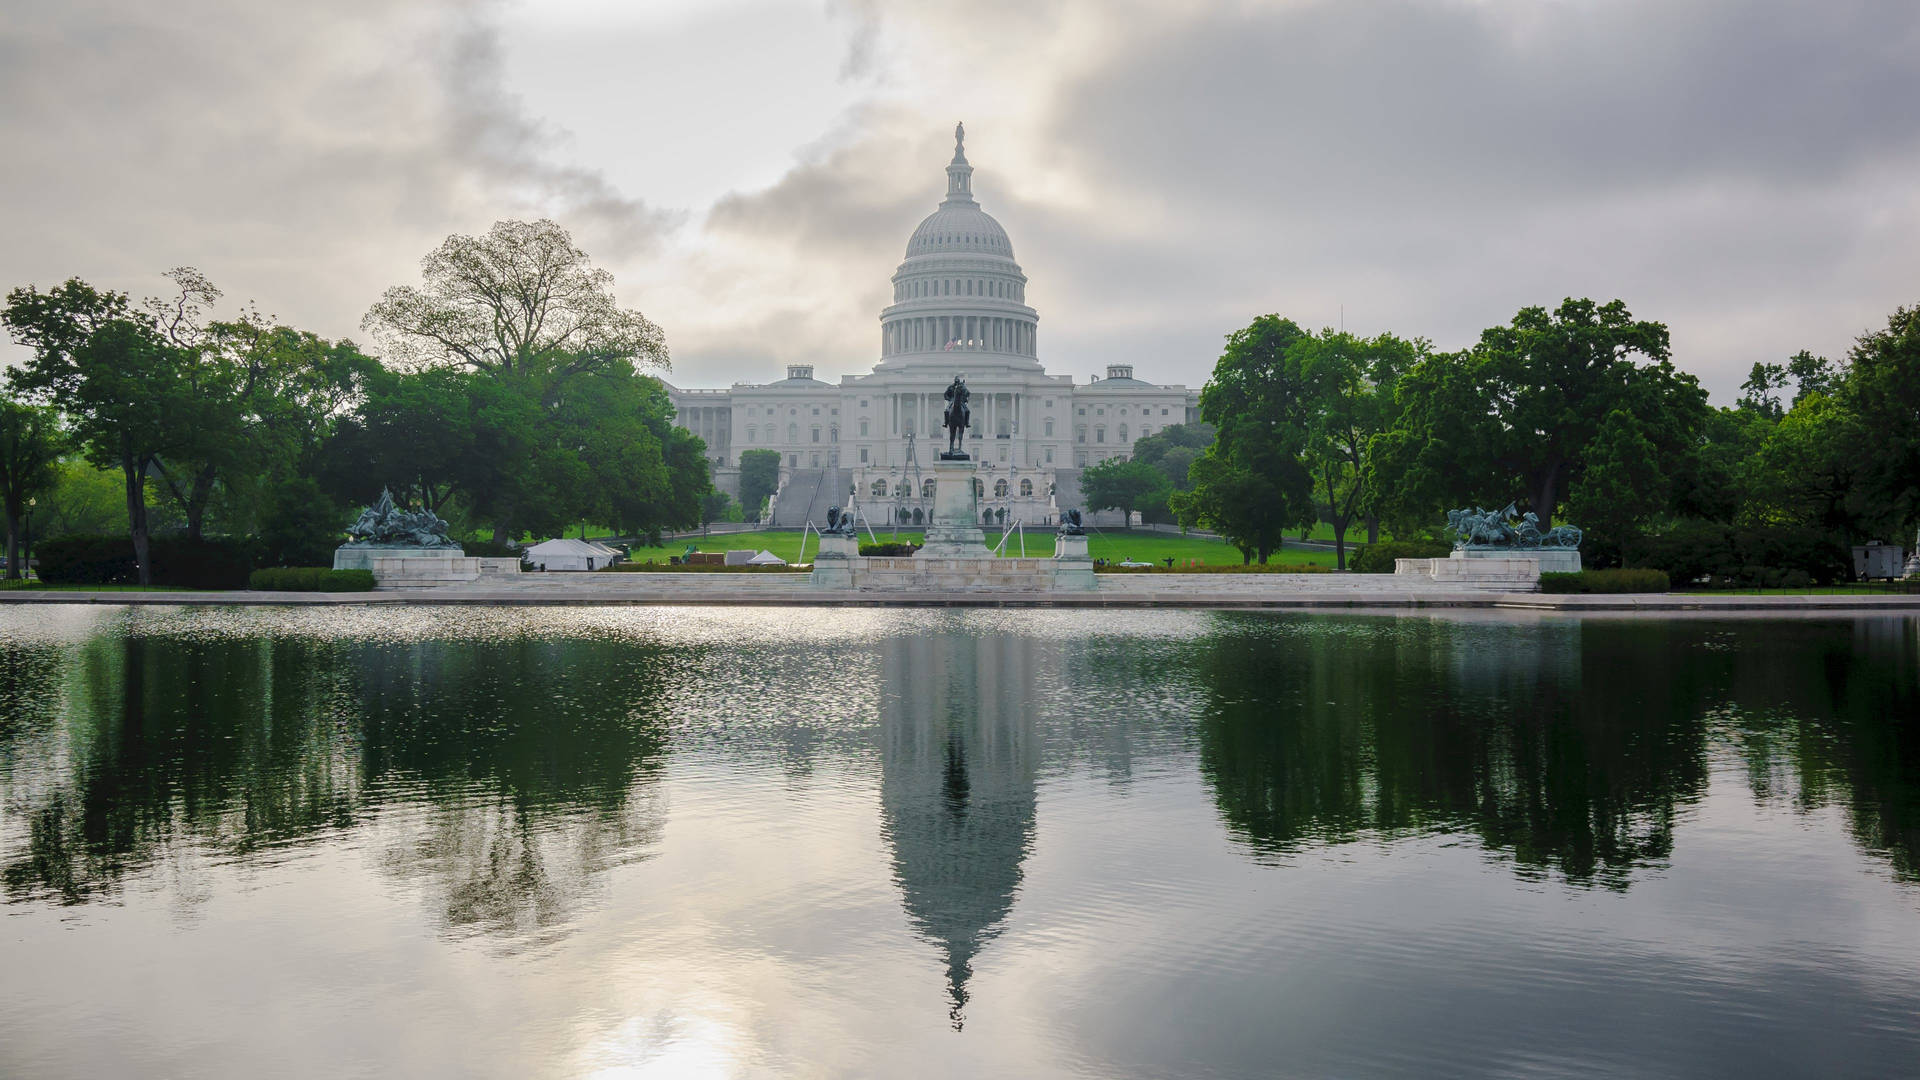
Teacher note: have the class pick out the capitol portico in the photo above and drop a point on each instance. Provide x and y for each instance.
(959, 307)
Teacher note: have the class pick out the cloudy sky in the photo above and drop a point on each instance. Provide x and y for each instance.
(1746, 171)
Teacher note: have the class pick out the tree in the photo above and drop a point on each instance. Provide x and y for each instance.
(300, 525)
(500, 303)
(1882, 389)
(1125, 486)
(1252, 482)
(1247, 509)
(718, 506)
(1351, 382)
(1173, 450)
(83, 499)
(122, 384)
(31, 443)
(759, 479)
(1522, 408)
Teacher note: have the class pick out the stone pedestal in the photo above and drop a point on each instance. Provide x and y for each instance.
(401, 568)
(954, 530)
(833, 566)
(1072, 566)
(1550, 560)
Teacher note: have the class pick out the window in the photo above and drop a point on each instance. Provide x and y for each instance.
(1026, 489)
(833, 433)
(863, 455)
(1049, 455)
(863, 427)
(753, 433)
(1083, 410)
(833, 412)
(1003, 453)
(816, 433)
(926, 488)
(1080, 433)
(793, 433)
(879, 488)
(793, 461)
(1000, 489)
(816, 410)
(1080, 460)
(863, 403)
(1099, 412)
(1048, 427)
(1099, 433)
(1145, 431)
(979, 489)
(1049, 403)
(813, 461)
(1123, 411)
(1123, 433)
(1163, 412)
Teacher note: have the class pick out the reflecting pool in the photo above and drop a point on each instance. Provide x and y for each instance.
(739, 842)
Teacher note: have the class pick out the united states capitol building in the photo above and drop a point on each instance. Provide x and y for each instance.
(959, 308)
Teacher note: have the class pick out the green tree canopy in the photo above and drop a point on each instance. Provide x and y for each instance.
(759, 479)
(1125, 486)
(1521, 410)
(1252, 483)
(31, 443)
(123, 385)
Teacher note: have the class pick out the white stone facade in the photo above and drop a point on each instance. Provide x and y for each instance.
(960, 307)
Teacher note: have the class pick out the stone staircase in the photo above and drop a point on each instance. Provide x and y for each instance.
(807, 494)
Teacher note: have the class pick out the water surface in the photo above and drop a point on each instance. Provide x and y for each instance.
(736, 842)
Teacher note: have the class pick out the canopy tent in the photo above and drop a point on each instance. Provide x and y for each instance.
(568, 553)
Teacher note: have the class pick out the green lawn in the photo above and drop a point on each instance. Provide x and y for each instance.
(1112, 544)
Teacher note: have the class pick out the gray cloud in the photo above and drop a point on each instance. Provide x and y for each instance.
(304, 156)
(1739, 170)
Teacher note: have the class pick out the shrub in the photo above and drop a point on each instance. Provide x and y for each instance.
(1378, 558)
(1605, 581)
(347, 581)
(108, 560)
(889, 549)
(310, 579)
(86, 559)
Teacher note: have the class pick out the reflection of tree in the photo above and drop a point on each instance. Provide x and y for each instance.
(508, 767)
(1825, 713)
(1570, 744)
(1433, 726)
(958, 755)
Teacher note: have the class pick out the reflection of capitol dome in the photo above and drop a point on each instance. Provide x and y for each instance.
(956, 792)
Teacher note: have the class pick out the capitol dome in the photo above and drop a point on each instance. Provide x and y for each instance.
(959, 288)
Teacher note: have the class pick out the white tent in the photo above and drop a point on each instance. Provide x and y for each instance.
(567, 553)
(766, 558)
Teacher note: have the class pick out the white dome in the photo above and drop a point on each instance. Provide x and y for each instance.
(959, 229)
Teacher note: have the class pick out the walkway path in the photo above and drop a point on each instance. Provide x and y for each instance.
(592, 590)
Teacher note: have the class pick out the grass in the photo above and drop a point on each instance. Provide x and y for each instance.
(1115, 545)
(1865, 588)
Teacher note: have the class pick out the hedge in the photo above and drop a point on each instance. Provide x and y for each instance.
(889, 549)
(310, 579)
(1378, 558)
(1605, 581)
(1217, 568)
(108, 560)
